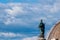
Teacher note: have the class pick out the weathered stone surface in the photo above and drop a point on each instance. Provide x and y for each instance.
(55, 33)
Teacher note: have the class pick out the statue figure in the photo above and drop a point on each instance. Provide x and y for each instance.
(42, 29)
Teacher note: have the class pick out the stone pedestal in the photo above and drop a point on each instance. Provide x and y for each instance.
(41, 39)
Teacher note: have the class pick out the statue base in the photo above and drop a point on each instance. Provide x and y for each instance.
(41, 39)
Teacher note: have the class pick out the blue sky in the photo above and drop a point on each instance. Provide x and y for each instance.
(19, 19)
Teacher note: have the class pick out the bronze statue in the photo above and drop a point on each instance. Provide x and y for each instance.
(42, 29)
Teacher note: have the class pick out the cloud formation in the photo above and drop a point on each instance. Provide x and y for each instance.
(31, 38)
(25, 12)
(11, 36)
(27, 15)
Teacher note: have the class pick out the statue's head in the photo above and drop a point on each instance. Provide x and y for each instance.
(41, 21)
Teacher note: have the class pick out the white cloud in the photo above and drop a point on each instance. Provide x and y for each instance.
(31, 38)
(55, 7)
(15, 36)
(15, 10)
(11, 35)
(13, 20)
(28, 12)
